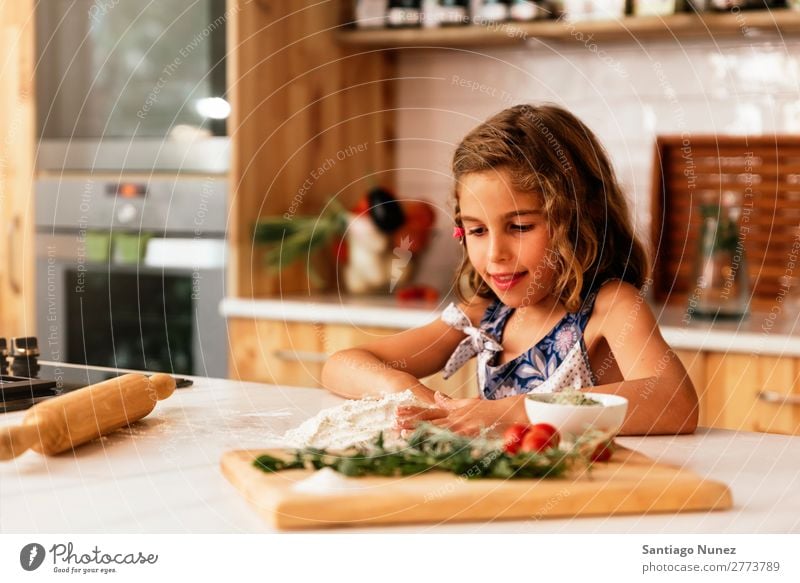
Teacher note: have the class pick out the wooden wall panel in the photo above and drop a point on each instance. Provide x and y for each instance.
(762, 172)
(301, 103)
(17, 145)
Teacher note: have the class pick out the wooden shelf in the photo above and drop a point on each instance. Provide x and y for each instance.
(677, 26)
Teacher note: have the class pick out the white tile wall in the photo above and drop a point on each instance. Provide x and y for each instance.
(626, 92)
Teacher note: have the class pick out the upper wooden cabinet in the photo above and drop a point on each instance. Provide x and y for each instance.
(17, 146)
(311, 121)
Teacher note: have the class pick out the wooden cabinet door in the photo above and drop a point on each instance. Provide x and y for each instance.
(753, 393)
(17, 143)
(777, 408)
(276, 352)
(732, 381)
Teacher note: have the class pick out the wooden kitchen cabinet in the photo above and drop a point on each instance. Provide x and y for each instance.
(293, 353)
(746, 392)
(17, 147)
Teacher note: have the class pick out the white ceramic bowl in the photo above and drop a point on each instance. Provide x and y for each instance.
(575, 419)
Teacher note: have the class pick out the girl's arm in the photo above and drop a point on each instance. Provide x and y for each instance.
(397, 362)
(661, 396)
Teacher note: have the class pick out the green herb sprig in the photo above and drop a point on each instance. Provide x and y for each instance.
(290, 239)
(430, 448)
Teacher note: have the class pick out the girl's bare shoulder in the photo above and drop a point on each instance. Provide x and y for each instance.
(475, 308)
(618, 301)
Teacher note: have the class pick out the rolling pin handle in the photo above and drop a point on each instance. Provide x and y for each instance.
(163, 385)
(17, 439)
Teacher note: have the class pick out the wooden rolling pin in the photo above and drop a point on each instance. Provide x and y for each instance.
(61, 423)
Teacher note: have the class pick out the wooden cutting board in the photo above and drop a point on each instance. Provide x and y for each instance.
(630, 484)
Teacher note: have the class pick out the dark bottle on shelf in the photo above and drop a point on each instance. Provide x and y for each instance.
(3, 357)
(727, 5)
(453, 12)
(25, 353)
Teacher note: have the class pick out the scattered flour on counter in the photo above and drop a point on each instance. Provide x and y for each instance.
(352, 423)
(328, 481)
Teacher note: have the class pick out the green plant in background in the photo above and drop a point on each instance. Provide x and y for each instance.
(293, 238)
(720, 230)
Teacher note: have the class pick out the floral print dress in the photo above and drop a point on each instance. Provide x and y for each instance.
(558, 362)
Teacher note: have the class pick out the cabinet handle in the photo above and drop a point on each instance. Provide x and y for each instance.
(301, 356)
(13, 230)
(777, 398)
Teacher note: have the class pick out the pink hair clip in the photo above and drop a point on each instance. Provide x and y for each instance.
(458, 232)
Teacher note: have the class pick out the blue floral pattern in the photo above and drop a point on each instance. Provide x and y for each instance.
(533, 367)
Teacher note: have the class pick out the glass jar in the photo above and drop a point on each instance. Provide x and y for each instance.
(721, 284)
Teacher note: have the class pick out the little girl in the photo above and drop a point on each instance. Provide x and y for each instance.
(554, 297)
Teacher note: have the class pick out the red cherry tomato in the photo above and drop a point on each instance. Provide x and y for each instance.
(546, 428)
(513, 436)
(603, 451)
(540, 437)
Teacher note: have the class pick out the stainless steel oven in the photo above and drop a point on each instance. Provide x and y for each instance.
(132, 86)
(131, 272)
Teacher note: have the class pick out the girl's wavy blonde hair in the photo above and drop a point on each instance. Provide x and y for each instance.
(549, 152)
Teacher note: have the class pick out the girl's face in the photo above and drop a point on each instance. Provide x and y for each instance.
(507, 237)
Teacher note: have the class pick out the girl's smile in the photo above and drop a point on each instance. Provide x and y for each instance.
(505, 281)
(507, 237)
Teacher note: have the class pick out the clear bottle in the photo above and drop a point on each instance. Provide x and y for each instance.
(489, 11)
(721, 285)
(404, 13)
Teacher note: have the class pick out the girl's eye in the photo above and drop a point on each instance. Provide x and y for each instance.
(478, 231)
(522, 228)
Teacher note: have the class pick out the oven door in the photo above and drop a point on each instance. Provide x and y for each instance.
(137, 316)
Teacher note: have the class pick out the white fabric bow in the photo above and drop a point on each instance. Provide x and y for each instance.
(477, 343)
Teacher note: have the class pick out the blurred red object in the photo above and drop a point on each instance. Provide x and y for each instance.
(339, 250)
(419, 222)
(361, 207)
(417, 293)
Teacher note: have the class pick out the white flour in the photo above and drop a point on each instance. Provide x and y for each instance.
(352, 423)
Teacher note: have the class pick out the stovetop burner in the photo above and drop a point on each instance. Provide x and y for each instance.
(18, 393)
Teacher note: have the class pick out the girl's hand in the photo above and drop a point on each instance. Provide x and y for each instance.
(470, 416)
(408, 416)
(423, 393)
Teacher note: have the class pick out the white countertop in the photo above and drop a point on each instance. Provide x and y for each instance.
(760, 333)
(162, 474)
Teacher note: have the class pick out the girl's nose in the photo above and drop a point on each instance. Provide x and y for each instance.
(498, 249)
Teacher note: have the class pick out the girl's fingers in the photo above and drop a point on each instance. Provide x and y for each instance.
(420, 413)
(449, 403)
(458, 424)
(409, 417)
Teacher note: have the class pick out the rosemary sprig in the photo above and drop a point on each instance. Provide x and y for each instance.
(430, 448)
